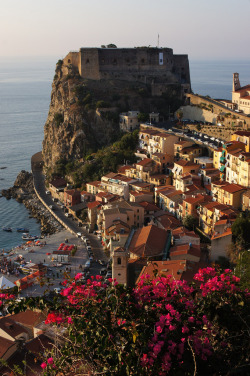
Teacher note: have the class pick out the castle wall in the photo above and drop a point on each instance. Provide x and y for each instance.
(89, 63)
(155, 66)
(72, 58)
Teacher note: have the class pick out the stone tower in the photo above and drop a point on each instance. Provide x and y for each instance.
(236, 81)
(120, 265)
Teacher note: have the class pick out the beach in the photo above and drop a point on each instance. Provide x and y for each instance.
(35, 253)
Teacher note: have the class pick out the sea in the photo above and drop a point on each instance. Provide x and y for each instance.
(25, 87)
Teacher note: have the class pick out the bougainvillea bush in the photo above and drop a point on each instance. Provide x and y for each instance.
(162, 327)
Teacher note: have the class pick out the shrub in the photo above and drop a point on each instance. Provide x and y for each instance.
(58, 118)
(162, 327)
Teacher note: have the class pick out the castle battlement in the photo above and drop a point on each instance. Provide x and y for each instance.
(154, 66)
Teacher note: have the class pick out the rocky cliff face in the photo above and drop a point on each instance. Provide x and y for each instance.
(84, 114)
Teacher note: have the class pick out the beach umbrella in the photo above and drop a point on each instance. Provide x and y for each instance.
(5, 283)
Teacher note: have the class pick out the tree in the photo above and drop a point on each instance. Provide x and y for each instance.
(111, 45)
(143, 117)
(179, 114)
(190, 222)
(240, 230)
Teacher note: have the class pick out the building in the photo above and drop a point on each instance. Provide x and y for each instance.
(228, 194)
(149, 242)
(129, 121)
(93, 187)
(154, 141)
(120, 265)
(246, 201)
(244, 137)
(158, 67)
(240, 95)
(72, 197)
(116, 184)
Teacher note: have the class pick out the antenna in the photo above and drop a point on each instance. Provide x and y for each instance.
(158, 41)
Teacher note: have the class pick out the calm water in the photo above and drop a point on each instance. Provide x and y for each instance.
(24, 102)
(25, 88)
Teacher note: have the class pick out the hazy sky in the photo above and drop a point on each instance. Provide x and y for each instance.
(214, 29)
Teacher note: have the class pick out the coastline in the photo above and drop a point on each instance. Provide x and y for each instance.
(23, 192)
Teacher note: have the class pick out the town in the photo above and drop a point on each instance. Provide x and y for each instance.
(170, 213)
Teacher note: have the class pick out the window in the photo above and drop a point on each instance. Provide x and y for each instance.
(119, 261)
(87, 61)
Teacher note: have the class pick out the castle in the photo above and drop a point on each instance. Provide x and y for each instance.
(158, 67)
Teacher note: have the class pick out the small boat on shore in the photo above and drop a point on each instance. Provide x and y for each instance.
(22, 229)
(29, 237)
(7, 229)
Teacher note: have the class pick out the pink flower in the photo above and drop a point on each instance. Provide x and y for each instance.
(50, 360)
(185, 329)
(159, 329)
(70, 321)
(44, 365)
(78, 276)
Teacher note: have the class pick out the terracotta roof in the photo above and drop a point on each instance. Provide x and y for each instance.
(185, 249)
(122, 169)
(168, 221)
(73, 192)
(145, 161)
(193, 200)
(178, 269)
(94, 204)
(232, 188)
(149, 131)
(183, 162)
(39, 344)
(228, 232)
(95, 183)
(59, 183)
(221, 222)
(28, 318)
(182, 231)
(148, 241)
(5, 345)
(10, 327)
(148, 206)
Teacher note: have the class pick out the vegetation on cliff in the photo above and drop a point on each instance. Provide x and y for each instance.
(100, 163)
(162, 327)
(84, 114)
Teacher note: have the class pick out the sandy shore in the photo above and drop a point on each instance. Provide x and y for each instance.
(39, 255)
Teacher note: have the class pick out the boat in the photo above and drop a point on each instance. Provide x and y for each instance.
(8, 229)
(29, 237)
(22, 229)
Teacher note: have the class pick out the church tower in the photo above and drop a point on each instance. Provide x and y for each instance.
(120, 265)
(236, 81)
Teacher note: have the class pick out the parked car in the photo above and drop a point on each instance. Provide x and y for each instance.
(48, 193)
(68, 215)
(79, 234)
(57, 290)
(52, 207)
(87, 264)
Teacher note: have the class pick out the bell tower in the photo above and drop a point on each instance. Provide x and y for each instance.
(236, 81)
(120, 265)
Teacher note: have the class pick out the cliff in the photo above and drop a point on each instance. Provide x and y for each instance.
(84, 113)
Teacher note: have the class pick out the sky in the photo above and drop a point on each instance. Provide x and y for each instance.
(214, 29)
